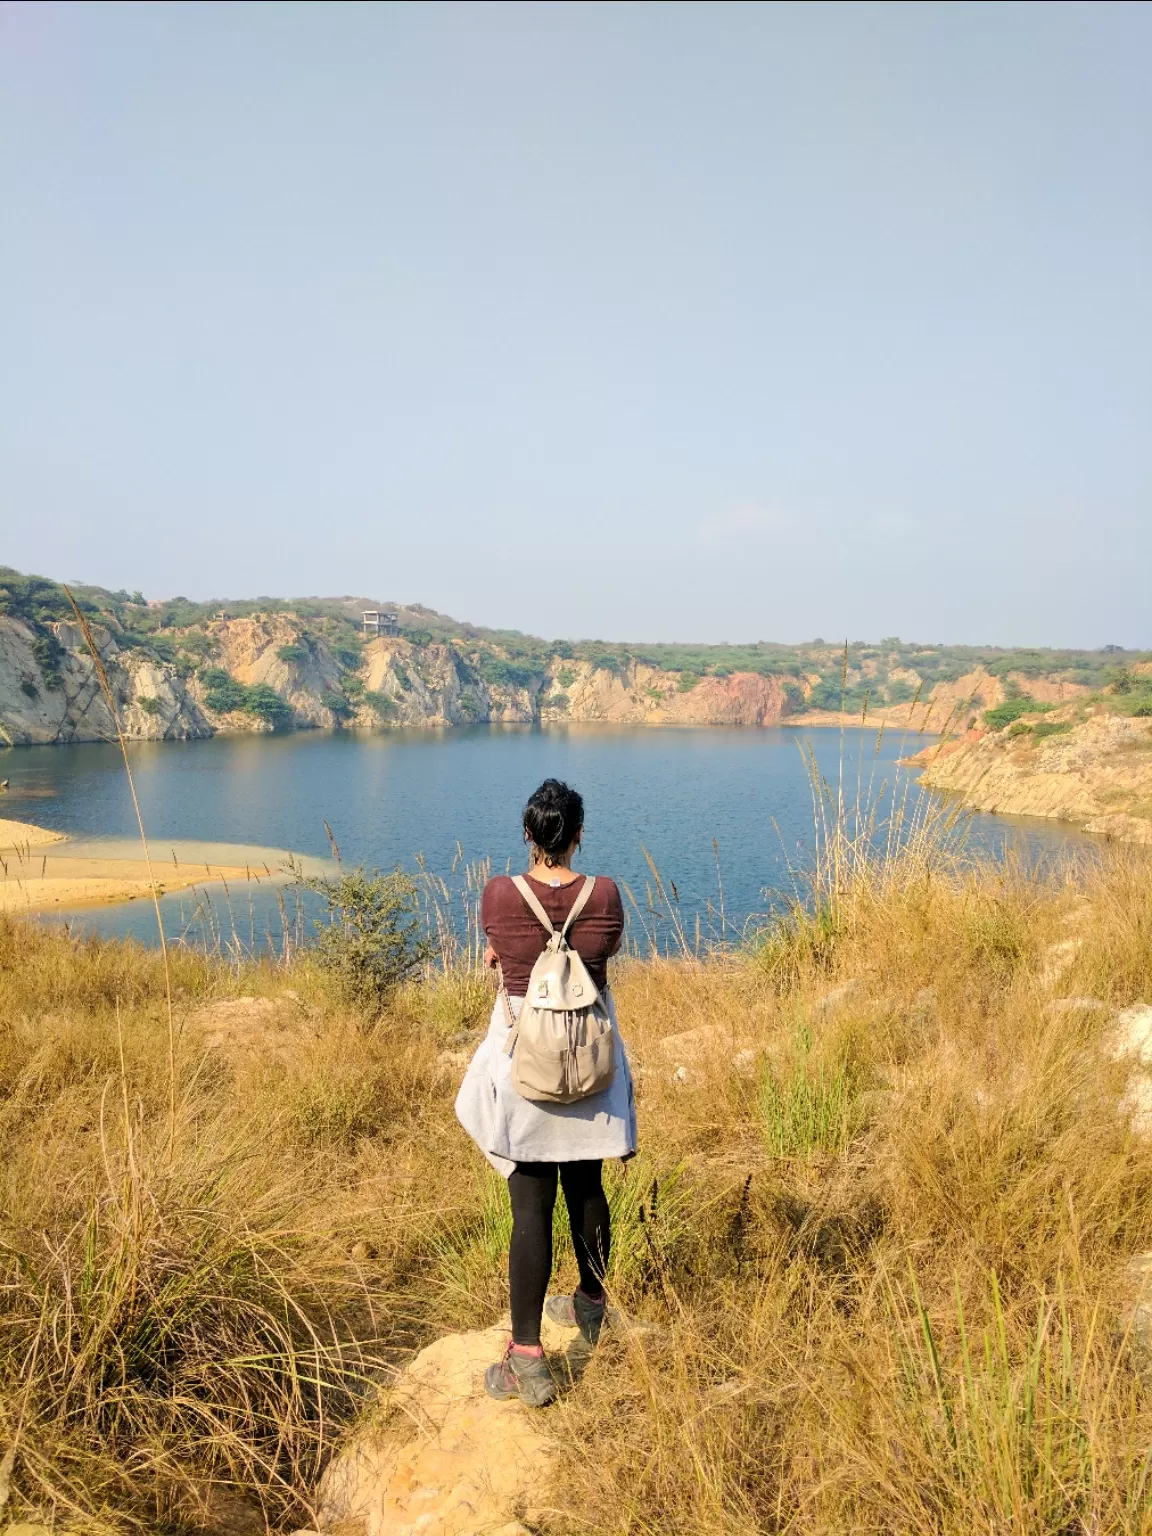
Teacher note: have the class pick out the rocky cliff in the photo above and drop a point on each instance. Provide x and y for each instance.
(1095, 771)
(180, 669)
(50, 692)
(227, 674)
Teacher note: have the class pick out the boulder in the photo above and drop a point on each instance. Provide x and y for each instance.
(1132, 1041)
(833, 1001)
(1136, 1314)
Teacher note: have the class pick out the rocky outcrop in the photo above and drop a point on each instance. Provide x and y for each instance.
(639, 694)
(445, 1459)
(249, 650)
(1096, 772)
(50, 691)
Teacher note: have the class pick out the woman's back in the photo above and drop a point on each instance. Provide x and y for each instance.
(518, 938)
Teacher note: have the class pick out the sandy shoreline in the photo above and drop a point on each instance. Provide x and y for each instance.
(22, 834)
(32, 879)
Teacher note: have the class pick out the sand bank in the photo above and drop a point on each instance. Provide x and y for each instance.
(22, 834)
(38, 875)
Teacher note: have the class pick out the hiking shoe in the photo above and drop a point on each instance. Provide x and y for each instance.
(524, 1376)
(578, 1311)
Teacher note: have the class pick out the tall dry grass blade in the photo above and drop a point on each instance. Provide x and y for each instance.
(110, 700)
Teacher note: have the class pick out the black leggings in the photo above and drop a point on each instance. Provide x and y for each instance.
(532, 1187)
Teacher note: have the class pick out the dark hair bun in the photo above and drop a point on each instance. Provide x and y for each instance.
(553, 817)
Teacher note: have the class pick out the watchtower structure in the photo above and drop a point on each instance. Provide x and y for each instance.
(378, 623)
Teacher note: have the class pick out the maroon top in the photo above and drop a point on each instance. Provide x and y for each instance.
(519, 940)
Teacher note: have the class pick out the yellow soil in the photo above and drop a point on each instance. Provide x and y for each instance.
(44, 884)
(21, 834)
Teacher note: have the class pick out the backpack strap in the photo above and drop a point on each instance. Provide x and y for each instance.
(579, 904)
(538, 911)
(532, 903)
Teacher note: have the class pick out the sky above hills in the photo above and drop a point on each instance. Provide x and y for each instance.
(713, 322)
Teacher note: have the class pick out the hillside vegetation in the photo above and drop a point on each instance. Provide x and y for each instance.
(892, 1184)
(183, 669)
(1087, 760)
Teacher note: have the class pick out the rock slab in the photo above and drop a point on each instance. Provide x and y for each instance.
(448, 1460)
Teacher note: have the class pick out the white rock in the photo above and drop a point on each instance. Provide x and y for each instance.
(1137, 1103)
(1057, 959)
(1133, 1036)
(836, 998)
(744, 1063)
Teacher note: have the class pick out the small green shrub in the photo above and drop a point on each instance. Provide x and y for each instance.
(266, 703)
(293, 653)
(566, 677)
(384, 707)
(197, 644)
(150, 705)
(334, 701)
(687, 681)
(1044, 728)
(1019, 729)
(498, 673)
(224, 694)
(370, 940)
(49, 653)
(1011, 710)
(810, 1108)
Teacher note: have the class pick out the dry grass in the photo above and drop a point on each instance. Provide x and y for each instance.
(883, 1234)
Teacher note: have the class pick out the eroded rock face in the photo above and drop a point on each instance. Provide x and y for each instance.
(45, 700)
(249, 650)
(1097, 774)
(447, 1460)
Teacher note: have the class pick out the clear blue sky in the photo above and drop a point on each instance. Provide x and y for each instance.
(658, 321)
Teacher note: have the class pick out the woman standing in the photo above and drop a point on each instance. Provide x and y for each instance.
(534, 1143)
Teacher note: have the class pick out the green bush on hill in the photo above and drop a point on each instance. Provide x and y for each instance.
(267, 704)
(1044, 728)
(499, 673)
(1011, 710)
(293, 653)
(224, 695)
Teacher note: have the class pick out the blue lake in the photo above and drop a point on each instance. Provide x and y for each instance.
(682, 795)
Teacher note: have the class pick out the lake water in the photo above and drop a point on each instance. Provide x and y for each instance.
(393, 796)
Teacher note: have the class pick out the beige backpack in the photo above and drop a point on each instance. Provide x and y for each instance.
(563, 1045)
